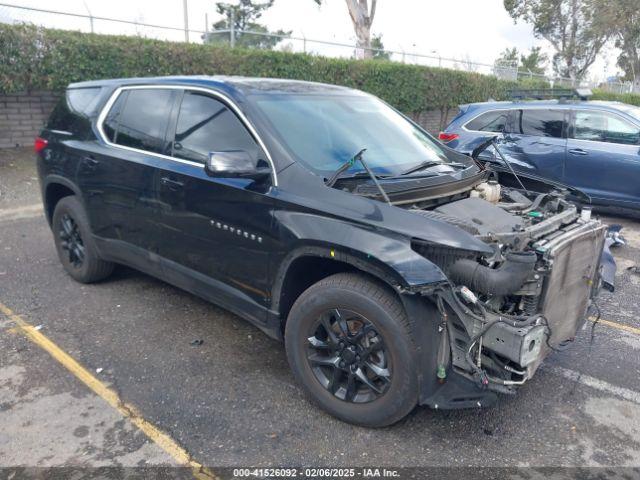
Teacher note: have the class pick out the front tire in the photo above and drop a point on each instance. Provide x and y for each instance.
(74, 243)
(349, 344)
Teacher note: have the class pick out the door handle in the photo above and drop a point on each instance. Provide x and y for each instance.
(578, 151)
(171, 184)
(91, 162)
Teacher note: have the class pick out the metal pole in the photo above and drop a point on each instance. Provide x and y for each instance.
(232, 31)
(90, 15)
(186, 20)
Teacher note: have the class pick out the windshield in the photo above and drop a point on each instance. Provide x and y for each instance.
(326, 131)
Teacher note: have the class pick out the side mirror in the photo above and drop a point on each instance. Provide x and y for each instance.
(235, 164)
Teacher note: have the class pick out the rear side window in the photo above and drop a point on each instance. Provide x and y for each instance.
(83, 100)
(602, 127)
(71, 112)
(489, 122)
(539, 123)
(140, 119)
(207, 125)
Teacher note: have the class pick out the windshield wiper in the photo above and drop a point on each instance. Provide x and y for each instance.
(427, 164)
(348, 164)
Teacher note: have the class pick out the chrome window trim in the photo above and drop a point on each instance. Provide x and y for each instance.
(226, 100)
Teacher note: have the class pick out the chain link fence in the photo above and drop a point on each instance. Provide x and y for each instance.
(53, 18)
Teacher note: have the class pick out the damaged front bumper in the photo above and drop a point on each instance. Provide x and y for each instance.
(481, 352)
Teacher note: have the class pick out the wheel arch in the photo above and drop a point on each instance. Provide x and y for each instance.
(55, 189)
(308, 265)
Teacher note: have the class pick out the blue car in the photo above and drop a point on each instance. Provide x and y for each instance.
(592, 146)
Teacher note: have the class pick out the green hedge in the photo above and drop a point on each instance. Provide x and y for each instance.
(630, 98)
(33, 58)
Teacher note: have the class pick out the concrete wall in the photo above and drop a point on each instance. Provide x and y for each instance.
(22, 115)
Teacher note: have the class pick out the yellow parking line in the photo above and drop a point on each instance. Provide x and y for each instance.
(156, 435)
(619, 326)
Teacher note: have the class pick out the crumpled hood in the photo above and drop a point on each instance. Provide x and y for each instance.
(347, 206)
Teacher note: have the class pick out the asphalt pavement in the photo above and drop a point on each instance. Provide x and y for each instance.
(223, 392)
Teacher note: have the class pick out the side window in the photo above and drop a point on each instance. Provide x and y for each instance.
(601, 127)
(71, 112)
(489, 122)
(143, 119)
(110, 124)
(207, 125)
(82, 100)
(539, 122)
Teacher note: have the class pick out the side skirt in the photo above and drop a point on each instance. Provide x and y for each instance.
(203, 286)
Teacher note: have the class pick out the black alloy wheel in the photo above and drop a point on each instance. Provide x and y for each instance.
(350, 346)
(71, 241)
(348, 357)
(74, 243)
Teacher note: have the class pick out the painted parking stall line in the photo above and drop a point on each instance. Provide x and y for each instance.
(160, 438)
(617, 325)
(597, 384)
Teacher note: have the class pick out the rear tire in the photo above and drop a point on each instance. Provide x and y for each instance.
(74, 243)
(375, 384)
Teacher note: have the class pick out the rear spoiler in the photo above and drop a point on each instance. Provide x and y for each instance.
(464, 107)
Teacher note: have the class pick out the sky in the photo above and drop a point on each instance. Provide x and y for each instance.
(476, 30)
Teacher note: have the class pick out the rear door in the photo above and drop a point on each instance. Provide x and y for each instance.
(603, 157)
(117, 178)
(215, 230)
(535, 141)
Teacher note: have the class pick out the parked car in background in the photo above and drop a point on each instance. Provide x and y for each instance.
(589, 145)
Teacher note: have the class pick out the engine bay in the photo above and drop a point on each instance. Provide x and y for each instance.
(506, 311)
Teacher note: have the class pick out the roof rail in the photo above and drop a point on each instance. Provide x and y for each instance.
(550, 93)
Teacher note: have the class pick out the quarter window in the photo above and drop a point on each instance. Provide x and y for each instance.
(539, 122)
(489, 122)
(601, 127)
(207, 125)
(141, 120)
(82, 100)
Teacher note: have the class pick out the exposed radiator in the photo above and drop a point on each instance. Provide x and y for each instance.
(575, 260)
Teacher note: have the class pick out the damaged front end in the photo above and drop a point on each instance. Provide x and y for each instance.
(503, 313)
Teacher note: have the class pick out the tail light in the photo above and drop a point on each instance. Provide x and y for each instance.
(39, 144)
(447, 137)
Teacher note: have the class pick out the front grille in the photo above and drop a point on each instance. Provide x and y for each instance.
(575, 259)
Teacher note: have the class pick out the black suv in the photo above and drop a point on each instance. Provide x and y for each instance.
(396, 270)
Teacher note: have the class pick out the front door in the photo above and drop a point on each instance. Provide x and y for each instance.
(603, 158)
(215, 230)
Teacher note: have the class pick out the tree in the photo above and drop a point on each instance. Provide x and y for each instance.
(535, 61)
(243, 17)
(624, 21)
(379, 53)
(361, 18)
(509, 56)
(574, 28)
